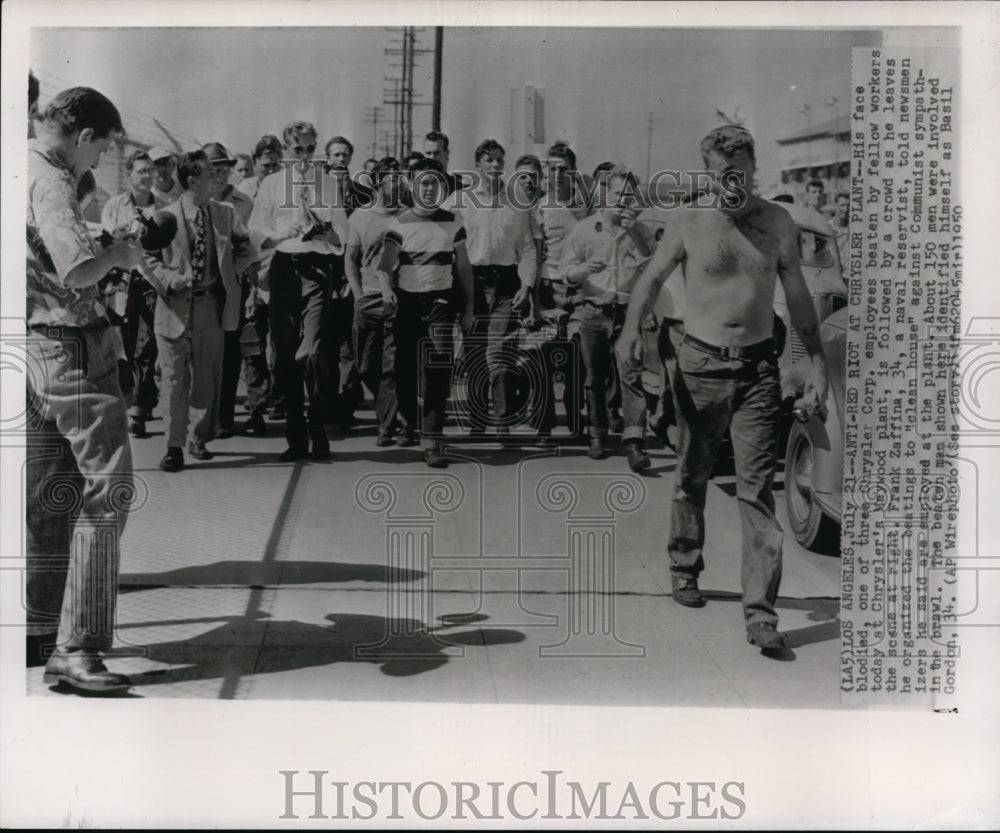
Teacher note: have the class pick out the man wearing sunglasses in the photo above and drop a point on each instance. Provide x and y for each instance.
(296, 209)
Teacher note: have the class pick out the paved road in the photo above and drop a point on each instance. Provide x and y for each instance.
(516, 575)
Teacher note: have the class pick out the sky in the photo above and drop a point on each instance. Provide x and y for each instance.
(599, 85)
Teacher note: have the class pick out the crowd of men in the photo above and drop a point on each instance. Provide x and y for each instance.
(314, 284)
(316, 310)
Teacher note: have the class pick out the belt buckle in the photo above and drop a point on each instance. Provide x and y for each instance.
(732, 353)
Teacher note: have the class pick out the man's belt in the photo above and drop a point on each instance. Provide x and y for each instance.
(200, 291)
(492, 273)
(750, 352)
(607, 309)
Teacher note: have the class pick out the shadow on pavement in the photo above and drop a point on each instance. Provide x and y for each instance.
(401, 647)
(255, 573)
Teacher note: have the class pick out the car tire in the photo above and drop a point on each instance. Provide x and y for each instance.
(811, 526)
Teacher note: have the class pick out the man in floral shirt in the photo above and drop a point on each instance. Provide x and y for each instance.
(79, 466)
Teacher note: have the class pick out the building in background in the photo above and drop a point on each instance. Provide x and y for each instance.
(142, 131)
(822, 152)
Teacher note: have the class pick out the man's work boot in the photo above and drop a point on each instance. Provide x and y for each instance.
(596, 450)
(685, 590)
(434, 457)
(765, 636)
(638, 459)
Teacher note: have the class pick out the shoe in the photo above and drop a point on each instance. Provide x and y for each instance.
(385, 440)
(197, 449)
(685, 590)
(596, 450)
(407, 439)
(35, 646)
(255, 425)
(137, 427)
(173, 460)
(293, 453)
(85, 671)
(224, 433)
(320, 445)
(434, 458)
(638, 459)
(765, 636)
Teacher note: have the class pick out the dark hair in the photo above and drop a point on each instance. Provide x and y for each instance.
(382, 167)
(842, 195)
(489, 146)
(189, 167)
(136, 156)
(33, 90)
(562, 151)
(815, 183)
(243, 156)
(784, 198)
(727, 140)
(296, 128)
(529, 159)
(338, 140)
(604, 166)
(268, 143)
(412, 157)
(426, 163)
(159, 231)
(437, 136)
(80, 108)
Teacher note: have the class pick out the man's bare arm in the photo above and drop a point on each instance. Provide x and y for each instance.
(800, 304)
(803, 315)
(669, 253)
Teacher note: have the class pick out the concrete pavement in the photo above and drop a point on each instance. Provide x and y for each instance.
(517, 575)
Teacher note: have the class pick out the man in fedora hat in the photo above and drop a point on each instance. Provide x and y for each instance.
(199, 301)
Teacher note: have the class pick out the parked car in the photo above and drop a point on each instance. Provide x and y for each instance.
(814, 452)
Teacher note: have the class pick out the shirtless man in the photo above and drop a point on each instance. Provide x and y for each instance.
(727, 372)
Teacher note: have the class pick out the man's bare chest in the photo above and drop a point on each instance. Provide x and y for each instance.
(735, 250)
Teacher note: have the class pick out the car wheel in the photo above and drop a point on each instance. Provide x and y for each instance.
(812, 528)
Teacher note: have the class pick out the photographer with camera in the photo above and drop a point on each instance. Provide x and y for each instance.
(77, 436)
(126, 217)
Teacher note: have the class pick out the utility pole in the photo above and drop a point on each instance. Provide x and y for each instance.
(374, 116)
(436, 106)
(403, 94)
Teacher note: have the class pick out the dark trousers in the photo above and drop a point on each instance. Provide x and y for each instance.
(595, 328)
(345, 380)
(713, 396)
(256, 374)
(375, 357)
(561, 357)
(300, 297)
(253, 363)
(424, 358)
(491, 347)
(140, 345)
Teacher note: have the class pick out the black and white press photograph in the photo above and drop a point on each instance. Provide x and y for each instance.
(497, 365)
